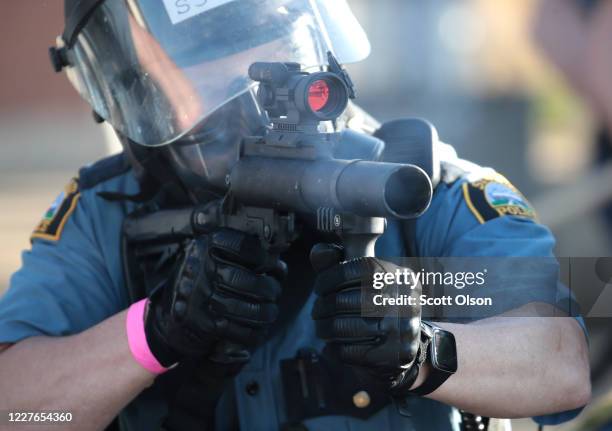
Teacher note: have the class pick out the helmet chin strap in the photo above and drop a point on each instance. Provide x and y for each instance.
(157, 182)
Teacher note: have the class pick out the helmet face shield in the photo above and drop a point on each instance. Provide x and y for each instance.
(155, 69)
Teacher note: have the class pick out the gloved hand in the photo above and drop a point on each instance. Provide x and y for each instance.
(219, 303)
(385, 346)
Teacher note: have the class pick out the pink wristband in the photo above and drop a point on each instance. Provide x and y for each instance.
(137, 339)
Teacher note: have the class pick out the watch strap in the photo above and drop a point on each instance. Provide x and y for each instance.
(436, 377)
(434, 381)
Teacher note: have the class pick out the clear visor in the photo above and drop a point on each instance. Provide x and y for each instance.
(154, 69)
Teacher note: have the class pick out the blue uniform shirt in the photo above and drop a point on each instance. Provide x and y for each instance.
(72, 279)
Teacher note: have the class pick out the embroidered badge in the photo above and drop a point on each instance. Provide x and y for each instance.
(495, 196)
(54, 219)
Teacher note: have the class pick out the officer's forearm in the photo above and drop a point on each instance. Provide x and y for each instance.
(518, 367)
(92, 375)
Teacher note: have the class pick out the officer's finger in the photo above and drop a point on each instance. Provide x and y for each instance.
(353, 354)
(351, 329)
(347, 301)
(347, 274)
(324, 256)
(374, 356)
(238, 247)
(254, 314)
(237, 332)
(277, 269)
(245, 283)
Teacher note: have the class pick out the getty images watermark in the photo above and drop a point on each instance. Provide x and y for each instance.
(411, 280)
(475, 288)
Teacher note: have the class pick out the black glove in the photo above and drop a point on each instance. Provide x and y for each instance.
(220, 301)
(386, 346)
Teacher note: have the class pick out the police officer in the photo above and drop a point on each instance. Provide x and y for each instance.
(218, 333)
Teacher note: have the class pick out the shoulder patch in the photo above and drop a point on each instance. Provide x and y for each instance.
(494, 196)
(54, 219)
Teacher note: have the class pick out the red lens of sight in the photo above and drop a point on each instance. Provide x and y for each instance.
(318, 95)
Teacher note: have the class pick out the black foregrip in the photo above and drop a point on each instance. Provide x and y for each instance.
(363, 188)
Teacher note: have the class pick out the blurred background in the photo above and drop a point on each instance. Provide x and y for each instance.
(524, 86)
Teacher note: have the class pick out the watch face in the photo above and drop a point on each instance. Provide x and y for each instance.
(444, 352)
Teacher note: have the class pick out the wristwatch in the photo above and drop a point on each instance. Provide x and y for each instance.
(441, 351)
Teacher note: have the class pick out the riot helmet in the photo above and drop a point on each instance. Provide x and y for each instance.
(176, 71)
